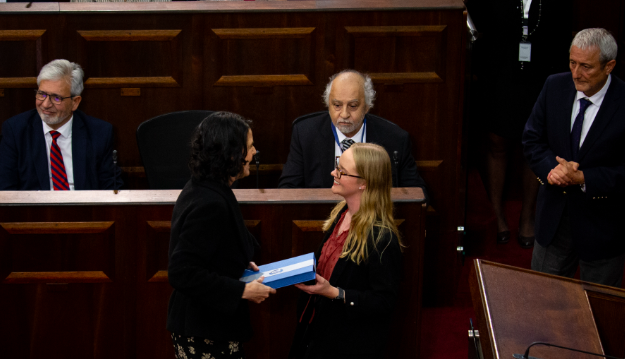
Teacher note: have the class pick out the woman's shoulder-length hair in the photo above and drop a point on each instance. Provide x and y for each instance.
(219, 147)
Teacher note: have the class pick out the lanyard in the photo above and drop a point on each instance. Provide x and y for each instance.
(336, 137)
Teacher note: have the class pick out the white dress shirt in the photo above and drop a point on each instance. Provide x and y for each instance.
(526, 8)
(591, 111)
(65, 144)
(356, 138)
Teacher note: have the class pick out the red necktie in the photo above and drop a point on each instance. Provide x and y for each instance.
(57, 166)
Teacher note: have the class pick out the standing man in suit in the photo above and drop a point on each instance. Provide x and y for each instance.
(320, 137)
(55, 146)
(575, 144)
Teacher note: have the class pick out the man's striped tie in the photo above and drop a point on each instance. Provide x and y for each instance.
(57, 166)
(346, 143)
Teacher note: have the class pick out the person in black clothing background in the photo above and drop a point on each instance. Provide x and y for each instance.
(507, 88)
(210, 246)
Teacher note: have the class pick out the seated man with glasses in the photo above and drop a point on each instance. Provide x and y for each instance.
(319, 137)
(54, 146)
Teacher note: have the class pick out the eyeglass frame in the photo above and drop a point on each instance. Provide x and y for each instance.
(340, 171)
(49, 95)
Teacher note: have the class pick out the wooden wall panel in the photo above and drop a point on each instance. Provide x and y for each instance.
(269, 62)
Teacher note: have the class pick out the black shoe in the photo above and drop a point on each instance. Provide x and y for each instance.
(503, 237)
(526, 242)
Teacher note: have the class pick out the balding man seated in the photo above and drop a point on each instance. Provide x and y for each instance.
(318, 140)
(54, 146)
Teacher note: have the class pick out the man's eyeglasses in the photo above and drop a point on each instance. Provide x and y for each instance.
(340, 172)
(56, 99)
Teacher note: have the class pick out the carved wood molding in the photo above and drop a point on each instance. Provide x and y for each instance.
(18, 82)
(429, 164)
(384, 31)
(309, 226)
(393, 78)
(56, 227)
(399, 78)
(21, 35)
(160, 226)
(117, 82)
(264, 33)
(57, 277)
(264, 80)
(129, 35)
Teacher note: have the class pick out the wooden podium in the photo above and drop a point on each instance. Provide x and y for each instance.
(83, 274)
(516, 307)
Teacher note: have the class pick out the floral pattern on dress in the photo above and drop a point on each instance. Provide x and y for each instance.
(207, 356)
(234, 347)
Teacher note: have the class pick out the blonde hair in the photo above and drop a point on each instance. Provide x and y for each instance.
(376, 207)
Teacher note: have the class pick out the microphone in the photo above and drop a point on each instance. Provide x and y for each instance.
(115, 172)
(395, 169)
(257, 160)
(527, 351)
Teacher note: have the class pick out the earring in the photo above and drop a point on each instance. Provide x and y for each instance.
(359, 187)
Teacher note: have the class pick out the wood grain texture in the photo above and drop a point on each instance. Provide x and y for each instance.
(135, 299)
(18, 82)
(406, 77)
(56, 277)
(56, 227)
(264, 33)
(128, 35)
(21, 35)
(120, 82)
(385, 31)
(130, 92)
(264, 80)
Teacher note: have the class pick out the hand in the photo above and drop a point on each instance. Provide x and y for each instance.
(255, 291)
(321, 287)
(565, 174)
(253, 267)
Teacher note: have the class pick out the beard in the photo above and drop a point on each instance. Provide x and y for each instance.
(52, 119)
(347, 128)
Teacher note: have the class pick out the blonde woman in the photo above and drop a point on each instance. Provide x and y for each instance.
(347, 312)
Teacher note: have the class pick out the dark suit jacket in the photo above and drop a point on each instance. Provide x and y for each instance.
(209, 249)
(311, 158)
(24, 159)
(596, 216)
(359, 327)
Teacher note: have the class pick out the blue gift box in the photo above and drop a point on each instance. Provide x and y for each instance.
(284, 273)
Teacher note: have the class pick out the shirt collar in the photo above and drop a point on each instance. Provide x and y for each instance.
(341, 136)
(597, 98)
(65, 130)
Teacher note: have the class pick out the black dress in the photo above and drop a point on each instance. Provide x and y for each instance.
(505, 94)
(209, 249)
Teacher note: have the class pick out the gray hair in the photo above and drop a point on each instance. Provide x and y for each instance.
(368, 87)
(597, 38)
(63, 70)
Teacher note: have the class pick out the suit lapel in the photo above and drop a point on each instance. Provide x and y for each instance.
(79, 151)
(327, 151)
(564, 122)
(40, 153)
(606, 112)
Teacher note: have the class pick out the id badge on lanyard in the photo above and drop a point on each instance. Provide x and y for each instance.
(525, 47)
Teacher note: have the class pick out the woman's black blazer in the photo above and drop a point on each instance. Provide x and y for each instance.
(359, 327)
(209, 249)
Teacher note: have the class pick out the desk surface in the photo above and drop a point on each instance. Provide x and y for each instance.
(168, 197)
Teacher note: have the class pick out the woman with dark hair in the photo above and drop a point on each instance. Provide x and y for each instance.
(210, 246)
(347, 312)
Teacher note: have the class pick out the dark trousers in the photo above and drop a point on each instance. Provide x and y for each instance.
(560, 258)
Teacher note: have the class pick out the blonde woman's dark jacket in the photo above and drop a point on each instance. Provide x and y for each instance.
(359, 327)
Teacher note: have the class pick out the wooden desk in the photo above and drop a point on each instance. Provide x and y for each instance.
(516, 307)
(268, 61)
(84, 274)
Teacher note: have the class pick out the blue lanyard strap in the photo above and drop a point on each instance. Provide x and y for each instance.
(336, 137)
